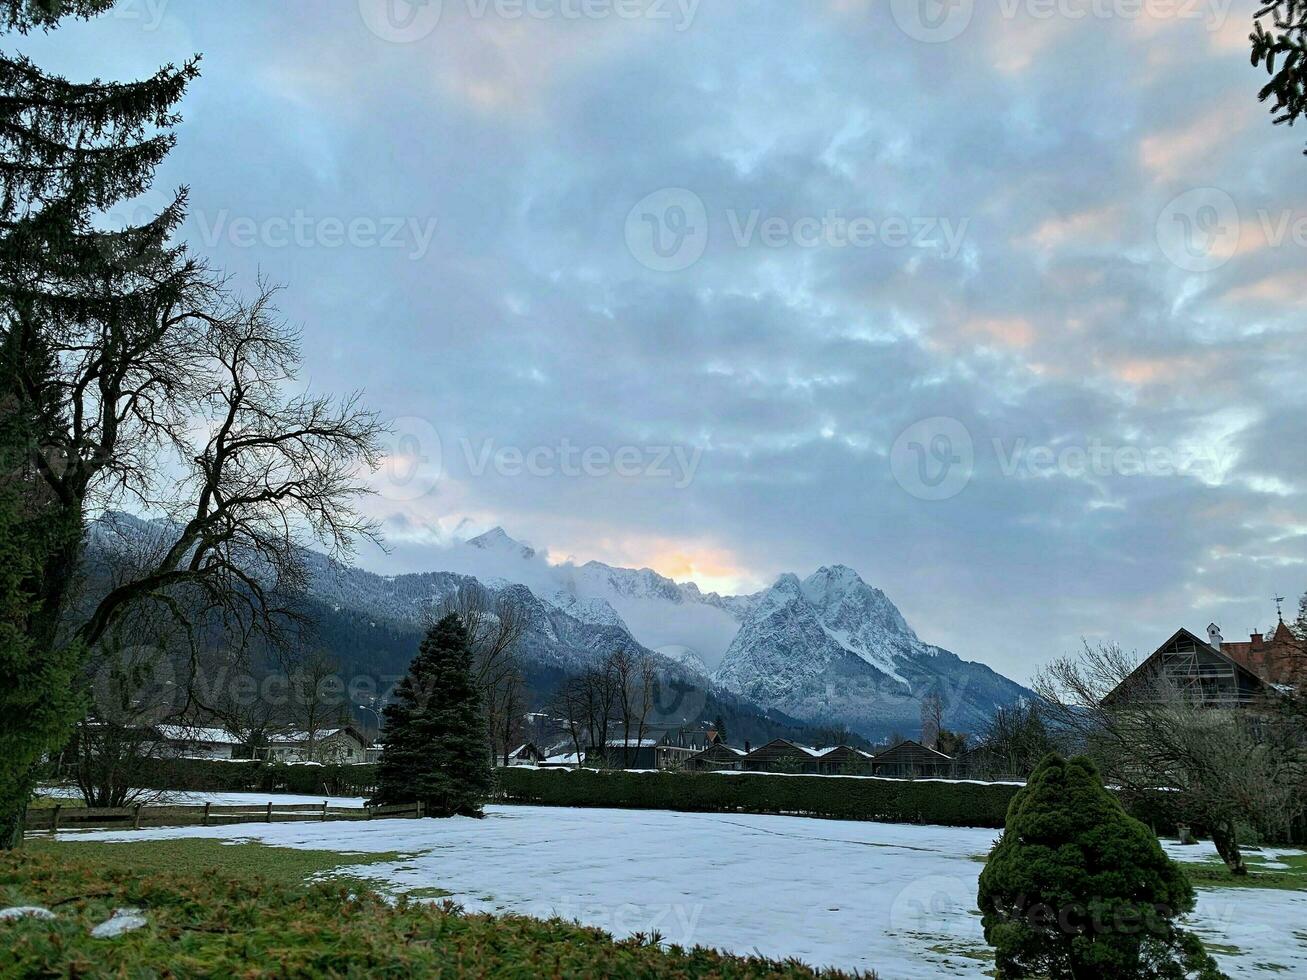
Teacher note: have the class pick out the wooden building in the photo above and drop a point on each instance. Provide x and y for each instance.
(843, 760)
(526, 754)
(781, 755)
(1214, 672)
(911, 760)
(715, 758)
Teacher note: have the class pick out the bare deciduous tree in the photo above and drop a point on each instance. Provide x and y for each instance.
(634, 679)
(1156, 741)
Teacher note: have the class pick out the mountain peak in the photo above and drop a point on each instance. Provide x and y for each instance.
(497, 540)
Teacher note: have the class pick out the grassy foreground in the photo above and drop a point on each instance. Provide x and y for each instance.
(219, 925)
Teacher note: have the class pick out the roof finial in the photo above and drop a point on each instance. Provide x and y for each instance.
(1278, 612)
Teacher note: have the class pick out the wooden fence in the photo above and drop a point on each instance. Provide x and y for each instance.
(60, 817)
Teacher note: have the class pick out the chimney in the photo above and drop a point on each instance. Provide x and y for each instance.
(1214, 635)
(1257, 639)
(746, 747)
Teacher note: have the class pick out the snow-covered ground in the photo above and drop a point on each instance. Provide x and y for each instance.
(892, 897)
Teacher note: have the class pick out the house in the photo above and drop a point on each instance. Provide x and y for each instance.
(844, 760)
(343, 745)
(623, 753)
(668, 750)
(192, 742)
(372, 754)
(781, 755)
(1220, 673)
(526, 754)
(715, 758)
(678, 745)
(911, 760)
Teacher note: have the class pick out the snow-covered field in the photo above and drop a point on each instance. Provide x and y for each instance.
(892, 897)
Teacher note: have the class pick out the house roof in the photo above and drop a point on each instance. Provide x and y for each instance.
(909, 745)
(294, 737)
(192, 733)
(778, 744)
(839, 750)
(1223, 652)
(1277, 659)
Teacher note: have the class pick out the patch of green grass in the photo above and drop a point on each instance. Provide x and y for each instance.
(1214, 874)
(204, 855)
(216, 925)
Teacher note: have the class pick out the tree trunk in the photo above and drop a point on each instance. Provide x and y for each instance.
(13, 815)
(1227, 846)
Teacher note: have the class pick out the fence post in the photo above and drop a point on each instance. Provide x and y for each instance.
(136, 817)
(206, 814)
(324, 809)
(369, 810)
(419, 809)
(270, 811)
(54, 818)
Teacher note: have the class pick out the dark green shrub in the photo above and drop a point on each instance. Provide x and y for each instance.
(836, 797)
(1077, 888)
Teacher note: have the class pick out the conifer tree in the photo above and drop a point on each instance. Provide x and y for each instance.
(121, 349)
(436, 751)
(1077, 888)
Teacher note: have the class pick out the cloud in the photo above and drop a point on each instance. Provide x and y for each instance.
(531, 323)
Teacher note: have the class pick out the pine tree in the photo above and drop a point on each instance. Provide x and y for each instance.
(720, 724)
(67, 152)
(436, 751)
(1076, 888)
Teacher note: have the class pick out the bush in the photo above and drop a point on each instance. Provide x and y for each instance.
(1077, 888)
(213, 926)
(836, 797)
(256, 776)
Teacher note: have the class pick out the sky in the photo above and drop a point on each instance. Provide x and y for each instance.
(997, 303)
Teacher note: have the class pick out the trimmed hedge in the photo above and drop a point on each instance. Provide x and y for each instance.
(836, 797)
(255, 776)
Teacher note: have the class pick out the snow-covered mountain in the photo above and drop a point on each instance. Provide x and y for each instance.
(828, 649)
(831, 646)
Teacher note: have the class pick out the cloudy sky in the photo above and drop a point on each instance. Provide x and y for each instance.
(1000, 305)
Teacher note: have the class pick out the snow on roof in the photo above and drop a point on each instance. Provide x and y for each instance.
(570, 759)
(295, 737)
(635, 743)
(191, 733)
